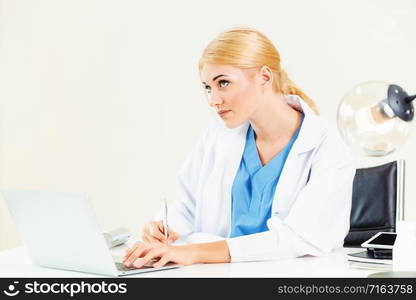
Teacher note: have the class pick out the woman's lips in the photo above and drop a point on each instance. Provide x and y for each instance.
(222, 113)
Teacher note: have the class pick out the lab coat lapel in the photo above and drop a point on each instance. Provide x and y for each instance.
(217, 205)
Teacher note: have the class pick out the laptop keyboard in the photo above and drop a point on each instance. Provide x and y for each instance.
(122, 267)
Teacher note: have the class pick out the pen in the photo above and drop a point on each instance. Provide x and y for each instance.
(165, 218)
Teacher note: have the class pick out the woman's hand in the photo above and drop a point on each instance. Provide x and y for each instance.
(184, 255)
(154, 232)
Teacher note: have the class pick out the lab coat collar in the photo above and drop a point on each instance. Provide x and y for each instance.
(310, 134)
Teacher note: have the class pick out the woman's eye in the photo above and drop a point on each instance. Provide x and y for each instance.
(207, 88)
(224, 83)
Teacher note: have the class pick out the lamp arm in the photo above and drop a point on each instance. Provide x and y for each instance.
(410, 98)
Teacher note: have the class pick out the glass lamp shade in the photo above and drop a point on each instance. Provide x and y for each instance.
(375, 118)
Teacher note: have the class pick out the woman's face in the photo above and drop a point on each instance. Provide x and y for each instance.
(232, 92)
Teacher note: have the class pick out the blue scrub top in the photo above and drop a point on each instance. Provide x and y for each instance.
(254, 187)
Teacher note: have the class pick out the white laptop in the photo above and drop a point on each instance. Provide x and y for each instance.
(60, 231)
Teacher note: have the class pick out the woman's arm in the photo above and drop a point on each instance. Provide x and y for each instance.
(214, 252)
(181, 213)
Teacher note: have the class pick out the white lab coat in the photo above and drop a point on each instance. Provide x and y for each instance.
(311, 206)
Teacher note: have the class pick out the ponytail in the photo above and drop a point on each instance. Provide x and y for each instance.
(286, 86)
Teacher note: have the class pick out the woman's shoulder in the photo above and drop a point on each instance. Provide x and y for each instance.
(332, 144)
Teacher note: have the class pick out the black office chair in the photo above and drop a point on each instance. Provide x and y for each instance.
(377, 201)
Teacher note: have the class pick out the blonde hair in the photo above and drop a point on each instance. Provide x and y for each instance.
(244, 47)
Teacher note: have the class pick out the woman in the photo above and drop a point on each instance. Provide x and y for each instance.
(269, 178)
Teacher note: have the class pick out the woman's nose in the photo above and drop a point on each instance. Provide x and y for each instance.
(214, 99)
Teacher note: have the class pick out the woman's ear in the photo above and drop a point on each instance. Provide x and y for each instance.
(266, 77)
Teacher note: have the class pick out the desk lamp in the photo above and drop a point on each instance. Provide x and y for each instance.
(375, 119)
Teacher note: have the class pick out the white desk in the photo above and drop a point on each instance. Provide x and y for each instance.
(16, 262)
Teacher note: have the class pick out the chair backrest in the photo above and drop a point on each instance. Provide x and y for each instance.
(377, 201)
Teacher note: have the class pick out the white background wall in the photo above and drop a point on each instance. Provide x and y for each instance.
(104, 97)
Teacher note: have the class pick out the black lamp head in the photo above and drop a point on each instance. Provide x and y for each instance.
(400, 102)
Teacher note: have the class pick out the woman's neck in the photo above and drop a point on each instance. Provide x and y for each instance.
(274, 120)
